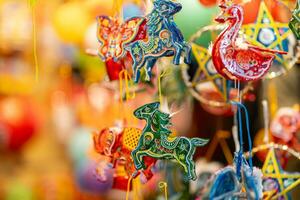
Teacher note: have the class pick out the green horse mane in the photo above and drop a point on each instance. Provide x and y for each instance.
(160, 122)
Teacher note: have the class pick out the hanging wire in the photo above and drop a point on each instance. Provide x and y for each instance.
(128, 187)
(266, 121)
(241, 106)
(32, 4)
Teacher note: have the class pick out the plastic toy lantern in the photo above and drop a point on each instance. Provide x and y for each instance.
(115, 145)
(113, 35)
(156, 142)
(205, 84)
(145, 39)
(236, 59)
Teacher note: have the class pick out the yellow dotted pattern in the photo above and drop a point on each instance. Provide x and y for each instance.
(131, 137)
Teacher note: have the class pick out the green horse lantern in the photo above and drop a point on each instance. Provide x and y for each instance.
(156, 142)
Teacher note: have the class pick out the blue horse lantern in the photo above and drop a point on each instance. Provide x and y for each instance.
(229, 181)
(163, 39)
(156, 142)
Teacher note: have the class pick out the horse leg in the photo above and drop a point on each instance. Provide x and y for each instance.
(178, 50)
(150, 63)
(137, 55)
(191, 169)
(136, 160)
(190, 162)
(140, 155)
(180, 162)
(188, 51)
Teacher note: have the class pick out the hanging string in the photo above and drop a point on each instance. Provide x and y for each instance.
(128, 187)
(240, 126)
(128, 94)
(163, 186)
(273, 99)
(266, 121)
(235, 124)
(160, 76)
(34, 33)
(241, 106)
(128, 83)
(117, 8)
(235, 135)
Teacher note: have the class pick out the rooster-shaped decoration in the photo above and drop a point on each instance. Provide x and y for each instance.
(234, 58)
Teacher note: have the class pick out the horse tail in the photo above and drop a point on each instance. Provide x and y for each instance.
(199, 142)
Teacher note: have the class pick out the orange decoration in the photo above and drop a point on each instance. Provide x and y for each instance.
(208, 3)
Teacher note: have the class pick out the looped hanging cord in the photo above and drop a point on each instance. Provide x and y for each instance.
(128, 187)
(160, 75)
(266, 121)
(117, 8)
(128, 83)
(32, 4)
(163, 186)
(240, 105)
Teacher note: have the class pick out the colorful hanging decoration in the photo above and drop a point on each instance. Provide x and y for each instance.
(285, 126)
(234, 58)
(113, 35)
(204, 82)
(276, 182)
(156, 141)
(295, 21)
(231, 181)
(163, 39)
(266, 32)
(116, 145)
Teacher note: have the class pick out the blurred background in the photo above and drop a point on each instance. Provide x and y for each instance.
(53, 95)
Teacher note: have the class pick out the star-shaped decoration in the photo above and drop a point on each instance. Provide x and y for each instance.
(280, 182)
(268, 33)
(207, 72)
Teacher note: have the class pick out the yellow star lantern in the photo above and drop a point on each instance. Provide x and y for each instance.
(268, 33)
(206, 71)
(277, 183)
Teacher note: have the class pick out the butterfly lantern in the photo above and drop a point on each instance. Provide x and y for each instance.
(163, 38)
(115, 145)
(295, 21)
(234, 58)
(113, 35)
(156, 142)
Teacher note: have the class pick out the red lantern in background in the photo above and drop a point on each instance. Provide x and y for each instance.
(18, 123)
(208, 3)
(250, 10)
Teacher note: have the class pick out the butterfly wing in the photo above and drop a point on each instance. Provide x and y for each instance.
(104, 24)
